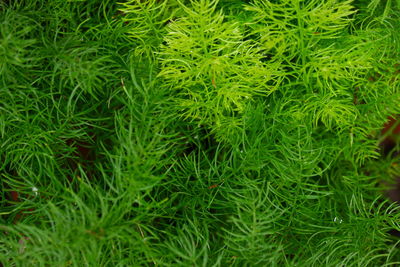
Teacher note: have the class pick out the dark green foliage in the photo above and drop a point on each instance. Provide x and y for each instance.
(198, 132)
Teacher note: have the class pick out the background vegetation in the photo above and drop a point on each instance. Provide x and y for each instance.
(198, 132)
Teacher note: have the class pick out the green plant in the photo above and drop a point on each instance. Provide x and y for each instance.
(198, 133)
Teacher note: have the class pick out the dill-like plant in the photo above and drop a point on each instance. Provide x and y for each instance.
(198, 132)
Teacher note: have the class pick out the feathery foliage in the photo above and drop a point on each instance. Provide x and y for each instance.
(198, 132)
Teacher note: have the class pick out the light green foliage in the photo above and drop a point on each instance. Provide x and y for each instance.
(330, 111)
(198, 132)
(211, 68)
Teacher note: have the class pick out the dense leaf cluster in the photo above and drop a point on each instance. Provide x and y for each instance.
(198, 132)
